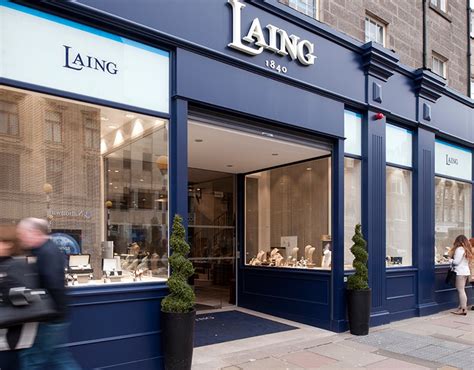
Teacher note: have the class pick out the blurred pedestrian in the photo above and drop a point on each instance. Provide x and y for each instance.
(47, 351)
(460, 256)
(15, 337)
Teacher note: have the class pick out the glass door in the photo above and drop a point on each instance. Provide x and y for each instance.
(211, 234)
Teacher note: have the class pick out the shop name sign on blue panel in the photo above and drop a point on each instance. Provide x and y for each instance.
(82, 60)
(278, 40)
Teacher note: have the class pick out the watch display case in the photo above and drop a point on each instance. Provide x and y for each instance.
(79, 269)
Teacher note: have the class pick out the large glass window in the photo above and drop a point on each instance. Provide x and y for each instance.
(102, 206)
(452, 214)
(398, 197)
(287, 216)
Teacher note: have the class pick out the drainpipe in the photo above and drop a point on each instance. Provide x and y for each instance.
(425, 34)
(469, 51)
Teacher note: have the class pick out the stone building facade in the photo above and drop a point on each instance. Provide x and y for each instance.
(447, 30)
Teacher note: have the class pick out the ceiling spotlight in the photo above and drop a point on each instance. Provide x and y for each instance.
(104, 119)
(111, 183)
(112, 126)
(128, 115)
(141, 180)
(116, 171)
(308, 168)
(198, 140)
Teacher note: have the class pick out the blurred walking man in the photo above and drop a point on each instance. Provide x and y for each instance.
(46, 353)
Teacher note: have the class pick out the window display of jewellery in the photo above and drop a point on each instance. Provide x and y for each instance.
(78, 270)
(275, 258)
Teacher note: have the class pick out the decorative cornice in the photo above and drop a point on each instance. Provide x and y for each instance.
(428, 85)
(378, 61)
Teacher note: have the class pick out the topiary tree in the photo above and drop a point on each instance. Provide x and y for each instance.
(181, 297)
(360, 280)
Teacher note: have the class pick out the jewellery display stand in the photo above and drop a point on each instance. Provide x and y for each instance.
(112, 270)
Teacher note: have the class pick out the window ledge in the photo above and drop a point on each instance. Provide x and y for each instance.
(445, 15)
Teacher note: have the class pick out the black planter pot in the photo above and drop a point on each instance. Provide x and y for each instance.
(178, 339)
(358, 308)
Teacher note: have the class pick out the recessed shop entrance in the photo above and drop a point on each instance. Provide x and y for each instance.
(280, 186)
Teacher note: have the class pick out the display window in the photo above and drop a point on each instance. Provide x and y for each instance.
(452, 215)
(288, 216)
(453, 196)
(399, 197)
(352, 181)
(98, 175)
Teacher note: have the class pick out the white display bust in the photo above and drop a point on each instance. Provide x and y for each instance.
(327, 256)
(306, 251)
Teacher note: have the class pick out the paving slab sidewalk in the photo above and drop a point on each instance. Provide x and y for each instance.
(441, 341)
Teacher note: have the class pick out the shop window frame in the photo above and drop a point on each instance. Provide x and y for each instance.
(456, 179)
(411, 169)
(360, 159)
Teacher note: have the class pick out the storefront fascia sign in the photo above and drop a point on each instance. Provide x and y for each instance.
(453, 161)
(48, 51)
(278, 40)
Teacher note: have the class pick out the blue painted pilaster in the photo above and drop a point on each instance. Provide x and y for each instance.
(178, 161)
(373, 214)
(338, 313)
(424, 215)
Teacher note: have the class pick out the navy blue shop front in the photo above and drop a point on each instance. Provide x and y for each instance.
(117, 326)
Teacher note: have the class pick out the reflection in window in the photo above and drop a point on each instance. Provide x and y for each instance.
(352, 205)
(287, 216)
(53, 126)
(8, 118)
(91, 131)
(452, 214)
(399, 217)
(9, 172)
(94, 187)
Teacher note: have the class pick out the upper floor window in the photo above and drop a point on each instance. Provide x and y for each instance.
(8, 118)
(440, 4)
(308, 7)
(374, 31)
(53, 125)
(439, 65)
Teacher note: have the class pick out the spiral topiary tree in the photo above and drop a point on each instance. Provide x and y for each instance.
(181, 297)
(360, 280)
